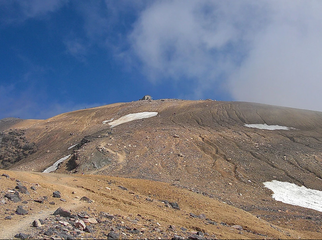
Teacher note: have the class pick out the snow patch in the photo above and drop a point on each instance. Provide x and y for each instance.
(267, 127)
(295, 195)
(72, 146)
(55, 165)
(132, 117)
(106, 121)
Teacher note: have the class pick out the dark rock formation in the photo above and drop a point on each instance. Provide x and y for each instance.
(62, 212)
(22, 236)
(21, 211)
(14, 147)
(56, 194)
(22, 189)
(13, 197)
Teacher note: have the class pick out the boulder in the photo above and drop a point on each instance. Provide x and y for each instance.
(174, 205)
(89, 229)
(5, 175)
(113, 235)
(22, 189)
(86, 199)
(123, 188)
(36, 223)
(56, 194)
(50, 232)
(22, 236)
(21, 211)
(62, 212)
(13, 197)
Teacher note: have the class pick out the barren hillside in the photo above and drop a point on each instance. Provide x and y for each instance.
(217, 151)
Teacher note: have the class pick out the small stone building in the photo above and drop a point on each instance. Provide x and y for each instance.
(147, 97)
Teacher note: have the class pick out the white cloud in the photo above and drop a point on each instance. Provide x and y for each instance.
(264, 51)
(17, 11)
(284, 65)
(34, 8)
(199, 40)
(104, 25)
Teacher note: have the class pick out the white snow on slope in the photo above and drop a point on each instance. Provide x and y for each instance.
(72, 146)
(295, 195)
(55, 165)
(106, 121)
(132, 117)
(267, 127)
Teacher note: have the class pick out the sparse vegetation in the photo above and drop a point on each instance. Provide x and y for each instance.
(197, 156)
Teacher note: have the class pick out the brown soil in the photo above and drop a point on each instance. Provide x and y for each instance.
(200, 147)
(140, 199)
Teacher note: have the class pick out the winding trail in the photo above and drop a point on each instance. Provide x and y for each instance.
(22, 225)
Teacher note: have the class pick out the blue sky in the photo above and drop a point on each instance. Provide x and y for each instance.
(62, 55)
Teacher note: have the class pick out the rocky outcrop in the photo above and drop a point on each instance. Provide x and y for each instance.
(14, 147)
(6, 123)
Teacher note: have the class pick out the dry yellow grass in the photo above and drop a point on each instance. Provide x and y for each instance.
(108, 197)
(198, 146)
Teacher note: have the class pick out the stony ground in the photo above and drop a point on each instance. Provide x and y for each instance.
(198, 154)
(58, 206)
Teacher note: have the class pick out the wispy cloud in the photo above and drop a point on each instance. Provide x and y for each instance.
(284, 65)
(198, 40)
(265, 51)
(262, 51)
(16, 11)
(107, 22)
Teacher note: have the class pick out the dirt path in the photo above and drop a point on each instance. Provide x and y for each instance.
(47, 184)
(9, 230)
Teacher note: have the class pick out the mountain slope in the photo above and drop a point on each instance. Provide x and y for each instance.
(203, 146)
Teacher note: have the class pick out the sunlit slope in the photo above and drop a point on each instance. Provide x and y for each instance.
(65, 130)
(200, 145)
(140, 200)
